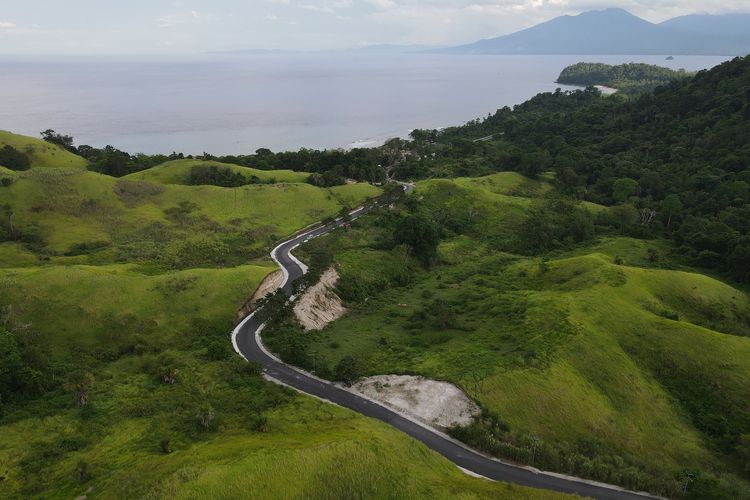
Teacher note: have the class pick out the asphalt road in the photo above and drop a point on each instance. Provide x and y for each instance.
(246, 339)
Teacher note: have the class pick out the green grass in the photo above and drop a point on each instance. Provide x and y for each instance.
(636, 360)
(41, 153)
(160, 305)
(311, 450)
(103, 277)
(66, 207)
(507, 183)
(6, 172)
(178, 172)
(121, 324)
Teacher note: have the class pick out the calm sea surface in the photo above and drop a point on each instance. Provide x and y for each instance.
(236, 104)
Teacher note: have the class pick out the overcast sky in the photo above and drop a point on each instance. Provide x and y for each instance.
(164, 26)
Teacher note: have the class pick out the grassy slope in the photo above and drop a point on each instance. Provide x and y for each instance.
(570, 351)
(42, 154)
(6, 172)
(178, 172)
(507, 183)
(165, 303)
(121, 321)
(311, 449)
(68, 206)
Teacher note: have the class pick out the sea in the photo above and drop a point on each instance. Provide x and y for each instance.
(237, 103)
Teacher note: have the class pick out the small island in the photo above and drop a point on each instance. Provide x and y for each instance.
(630, 79)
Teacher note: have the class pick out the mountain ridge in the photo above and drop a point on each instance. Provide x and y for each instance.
(615, 31)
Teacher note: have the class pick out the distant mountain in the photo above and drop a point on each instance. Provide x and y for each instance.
(611, 31)
(391, 49)
(707, 24)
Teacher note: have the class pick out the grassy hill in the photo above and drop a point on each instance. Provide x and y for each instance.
(129, 329)
(178, 172)
(507, 183)
(609, 359)
(74, 212)
(126, 290)
(41, 153)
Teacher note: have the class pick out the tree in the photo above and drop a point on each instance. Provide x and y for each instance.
(80, 383)
(347, 370)
(53, 137)
(10, 364)
(422, 236)
(624, 215)
(393, 193)
(8, 211)
(13, 159)
(624, 189)
(671, 206)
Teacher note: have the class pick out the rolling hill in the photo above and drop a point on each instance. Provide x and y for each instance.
(600, 358)
(41, 153)
(178, 172)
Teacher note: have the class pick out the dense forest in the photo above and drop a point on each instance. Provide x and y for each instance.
(676, 162)
(631, 78)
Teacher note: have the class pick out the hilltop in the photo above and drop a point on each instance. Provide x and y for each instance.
(41, 153)
(179, 172)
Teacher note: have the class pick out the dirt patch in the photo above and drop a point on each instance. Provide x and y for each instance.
(439, 404)
(320, 305)
(269, 284)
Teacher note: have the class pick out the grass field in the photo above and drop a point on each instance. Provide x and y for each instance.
(178, 172)
(137, 284)
(41, 153)
(507, 183)
(122, 325)
(608, 349)
(64, 208)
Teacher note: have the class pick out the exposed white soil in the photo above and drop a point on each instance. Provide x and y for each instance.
(269, 285)
(435, 403)
(320, 305)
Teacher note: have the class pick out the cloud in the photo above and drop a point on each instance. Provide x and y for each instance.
(7, 25)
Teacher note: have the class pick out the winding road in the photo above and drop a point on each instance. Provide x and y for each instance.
(247, 342)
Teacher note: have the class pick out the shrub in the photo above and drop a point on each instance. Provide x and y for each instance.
(82, 471)
(205, 417)
(13, 159)
(166, 446)
(347, 370)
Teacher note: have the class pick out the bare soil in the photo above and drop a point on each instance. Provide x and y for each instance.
(439, 404)
(320, 305)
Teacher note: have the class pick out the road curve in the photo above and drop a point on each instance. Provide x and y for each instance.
(247, 342)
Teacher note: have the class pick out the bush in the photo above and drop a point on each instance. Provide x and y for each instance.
(205, 417)
(166, 446)
(213, 175)
(421, 234)
(13, 159)
(347, 370)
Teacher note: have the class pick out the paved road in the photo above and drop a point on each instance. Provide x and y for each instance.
(246, 339)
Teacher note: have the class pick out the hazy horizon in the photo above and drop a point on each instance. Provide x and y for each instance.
(141, 27)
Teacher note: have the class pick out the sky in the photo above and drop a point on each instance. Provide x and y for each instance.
(190, 26)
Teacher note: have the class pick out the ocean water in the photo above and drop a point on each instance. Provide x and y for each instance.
(232, 104)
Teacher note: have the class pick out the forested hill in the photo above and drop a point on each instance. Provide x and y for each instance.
(681, 154)
(631, 78)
